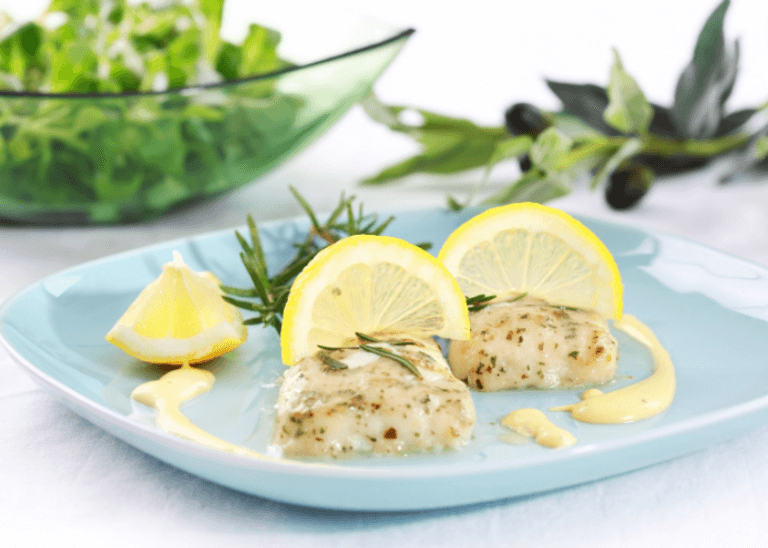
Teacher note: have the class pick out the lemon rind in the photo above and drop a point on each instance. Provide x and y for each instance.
(205, 346)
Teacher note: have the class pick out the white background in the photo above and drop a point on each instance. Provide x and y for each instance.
(63, 482)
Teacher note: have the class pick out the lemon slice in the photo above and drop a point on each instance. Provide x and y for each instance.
(377, 285)
(538, 250)
(179, 318)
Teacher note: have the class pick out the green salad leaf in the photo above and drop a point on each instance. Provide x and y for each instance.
(117, 46)
(126, 153)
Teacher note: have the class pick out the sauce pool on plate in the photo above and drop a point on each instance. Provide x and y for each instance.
(638, 401)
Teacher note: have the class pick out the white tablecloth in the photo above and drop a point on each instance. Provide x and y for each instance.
(64, 482)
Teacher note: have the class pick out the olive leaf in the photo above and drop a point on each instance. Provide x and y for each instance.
(550, 147)
(574, 127)
(628, 110)
(533, 186)
(761, 147)
(510, 148)
(449, 145)
(630, 148)
(707, 81)
(585, 101)
(734, 121)
(753, 157)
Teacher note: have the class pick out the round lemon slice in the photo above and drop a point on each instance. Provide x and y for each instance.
(179, 318)
(377, 285)
(538, 250)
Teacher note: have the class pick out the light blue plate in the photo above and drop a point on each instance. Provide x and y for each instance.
(708, 309)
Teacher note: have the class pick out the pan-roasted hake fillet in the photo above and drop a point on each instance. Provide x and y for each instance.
(531, 344)
(351, 401)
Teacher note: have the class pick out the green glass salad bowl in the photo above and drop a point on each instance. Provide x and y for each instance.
(102, 158)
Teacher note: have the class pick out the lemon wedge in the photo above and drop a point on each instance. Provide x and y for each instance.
(538, 250)
(179, 318)
(377, 285)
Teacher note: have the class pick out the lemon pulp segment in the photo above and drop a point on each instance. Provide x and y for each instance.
(179, 317)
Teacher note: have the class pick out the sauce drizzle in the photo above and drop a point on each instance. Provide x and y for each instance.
(638, 401)
(534, 424)
(166, 395)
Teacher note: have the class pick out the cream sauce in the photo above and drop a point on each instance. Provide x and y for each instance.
(534, 424)
(166, 395)
(638, 401)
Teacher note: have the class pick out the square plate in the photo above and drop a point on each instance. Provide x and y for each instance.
(708, 309)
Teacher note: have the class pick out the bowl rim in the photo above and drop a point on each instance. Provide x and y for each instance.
(400, 36)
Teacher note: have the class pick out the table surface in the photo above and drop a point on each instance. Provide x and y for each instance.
(65, 481)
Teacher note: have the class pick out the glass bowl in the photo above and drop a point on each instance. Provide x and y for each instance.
(77, 159)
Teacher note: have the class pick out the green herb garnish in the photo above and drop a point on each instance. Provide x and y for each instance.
(612, 135)
(368, 338)
(332, 348)
(478, 302)
(331, 362)
(387, 354)
(270, 293)
(325, 358)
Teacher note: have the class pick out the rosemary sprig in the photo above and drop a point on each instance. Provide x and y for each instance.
(331, 362)
(269, 294)
(392, 356)
(373, 350)
(368, 338)
(478, 302)
(332, 348)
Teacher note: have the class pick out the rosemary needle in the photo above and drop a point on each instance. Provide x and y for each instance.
(520, 296)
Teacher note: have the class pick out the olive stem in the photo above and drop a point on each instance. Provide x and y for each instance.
(653, 145)
(694, 147)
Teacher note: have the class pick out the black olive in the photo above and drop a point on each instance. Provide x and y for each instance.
(627, 185)
(525, 119)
